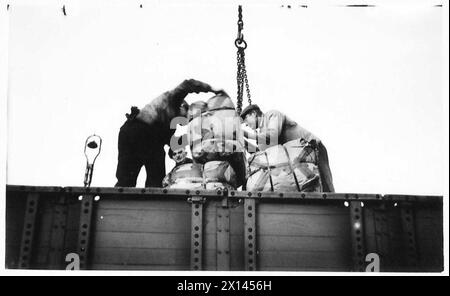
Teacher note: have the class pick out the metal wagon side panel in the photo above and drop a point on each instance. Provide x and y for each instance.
(157, 229)
(429, 236)
(15, 211)
(148, 234)
(303, 237)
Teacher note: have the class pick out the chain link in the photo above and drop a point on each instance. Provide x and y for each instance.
(241, 76)
(244, 75)
(239, 83)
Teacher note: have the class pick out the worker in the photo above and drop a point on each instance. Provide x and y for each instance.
(145, 132)
(276, 128)
(179, 156)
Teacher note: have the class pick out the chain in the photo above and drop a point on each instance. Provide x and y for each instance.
(241, 76)
(239, 84)
(244, 75)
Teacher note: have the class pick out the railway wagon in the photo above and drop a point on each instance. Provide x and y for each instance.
(174, 229)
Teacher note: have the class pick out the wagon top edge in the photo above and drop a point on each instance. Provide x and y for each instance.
(151, 191)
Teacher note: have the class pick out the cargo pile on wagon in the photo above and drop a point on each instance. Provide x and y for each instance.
(220, 159)
(217, 148)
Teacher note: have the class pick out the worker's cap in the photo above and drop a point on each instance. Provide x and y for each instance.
(249, 109)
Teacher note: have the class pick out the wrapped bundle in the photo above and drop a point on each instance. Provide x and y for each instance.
(270, 171)
(196, 109)
(212, 175)
(215, 132)
(288, 167)
(215, 135)
(219, 172)
(214, 149)
(186, 176)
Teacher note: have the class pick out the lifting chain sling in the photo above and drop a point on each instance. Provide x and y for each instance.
(241, 77)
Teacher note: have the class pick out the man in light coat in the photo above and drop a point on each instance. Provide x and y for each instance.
(276, 128)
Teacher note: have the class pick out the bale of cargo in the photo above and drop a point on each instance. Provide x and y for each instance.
(215, 135)
(288, 167)
(212, 175)
(219, 172)
(185, 176)
(214, 149)
(216, 131)
(196, 109)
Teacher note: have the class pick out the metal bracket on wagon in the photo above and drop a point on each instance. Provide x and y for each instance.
(196, 200)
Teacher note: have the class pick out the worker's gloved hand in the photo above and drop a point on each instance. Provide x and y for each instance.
(196, 86)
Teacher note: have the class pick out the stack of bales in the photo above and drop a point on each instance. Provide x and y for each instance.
(289, 167)
(217, 147)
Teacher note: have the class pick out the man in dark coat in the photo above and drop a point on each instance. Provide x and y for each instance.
(143, 136)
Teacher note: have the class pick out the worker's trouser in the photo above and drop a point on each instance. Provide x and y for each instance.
(139, 145)
(324, 169)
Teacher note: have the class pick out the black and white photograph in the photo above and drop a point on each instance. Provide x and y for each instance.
(224, 138)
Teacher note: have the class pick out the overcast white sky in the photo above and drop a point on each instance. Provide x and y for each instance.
(367, 81)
